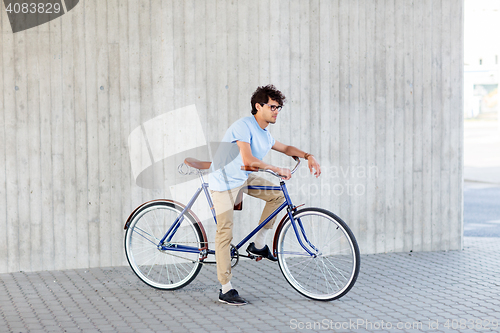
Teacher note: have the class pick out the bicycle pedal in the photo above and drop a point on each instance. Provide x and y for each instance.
(253, 256)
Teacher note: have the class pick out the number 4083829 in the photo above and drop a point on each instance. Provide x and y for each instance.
(32, 8)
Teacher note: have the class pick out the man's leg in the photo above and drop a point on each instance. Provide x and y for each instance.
(273, 199)
(224, 204)
(224, 208)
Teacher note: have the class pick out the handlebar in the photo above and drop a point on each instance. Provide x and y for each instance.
(255, 169)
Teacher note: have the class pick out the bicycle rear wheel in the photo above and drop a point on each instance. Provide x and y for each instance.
(332, 272)
(163, 269)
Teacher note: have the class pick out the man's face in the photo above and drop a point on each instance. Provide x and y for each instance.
(266, 112)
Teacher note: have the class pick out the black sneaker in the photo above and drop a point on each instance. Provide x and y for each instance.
(231, 298)
(264, 252)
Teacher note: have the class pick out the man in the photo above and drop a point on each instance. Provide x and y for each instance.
(254, 142)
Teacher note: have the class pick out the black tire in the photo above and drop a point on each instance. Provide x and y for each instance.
(333, 271)
(167, 270)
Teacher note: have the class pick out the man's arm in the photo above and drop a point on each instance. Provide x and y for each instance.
(293, 151)
(250, 160)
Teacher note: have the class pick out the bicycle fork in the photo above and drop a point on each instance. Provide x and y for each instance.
(297, 225)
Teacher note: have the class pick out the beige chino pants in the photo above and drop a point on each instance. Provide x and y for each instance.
(224, 208)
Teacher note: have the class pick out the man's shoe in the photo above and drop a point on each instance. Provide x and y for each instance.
(231, 298)
(264, 252)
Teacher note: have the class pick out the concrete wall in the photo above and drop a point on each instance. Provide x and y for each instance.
(374, 91)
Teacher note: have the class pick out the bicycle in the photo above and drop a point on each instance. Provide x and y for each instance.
(166, 244)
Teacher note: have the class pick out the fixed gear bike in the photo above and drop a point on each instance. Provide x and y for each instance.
(166, 244)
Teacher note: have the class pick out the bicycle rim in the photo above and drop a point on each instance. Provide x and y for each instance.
(333, 272)
(162, 269)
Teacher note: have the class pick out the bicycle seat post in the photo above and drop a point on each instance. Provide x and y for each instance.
(200, 174)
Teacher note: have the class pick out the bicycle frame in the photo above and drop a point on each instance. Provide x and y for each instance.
(164, 245)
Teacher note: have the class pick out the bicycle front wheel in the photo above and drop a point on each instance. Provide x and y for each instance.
(157, 267)
(332, 271)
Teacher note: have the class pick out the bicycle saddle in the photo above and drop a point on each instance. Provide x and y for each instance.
(197, 164)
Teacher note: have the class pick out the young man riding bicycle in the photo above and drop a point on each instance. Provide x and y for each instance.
(254, 142)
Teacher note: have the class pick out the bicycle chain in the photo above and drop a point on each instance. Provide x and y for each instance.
(202, 262)
(191, 260)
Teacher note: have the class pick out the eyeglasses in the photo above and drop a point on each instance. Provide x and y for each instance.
(273, 107)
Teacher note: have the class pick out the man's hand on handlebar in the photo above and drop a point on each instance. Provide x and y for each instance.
(284, 173)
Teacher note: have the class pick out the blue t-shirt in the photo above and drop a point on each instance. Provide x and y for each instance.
(226, 176)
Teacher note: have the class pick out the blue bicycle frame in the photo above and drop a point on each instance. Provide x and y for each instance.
(164, 244)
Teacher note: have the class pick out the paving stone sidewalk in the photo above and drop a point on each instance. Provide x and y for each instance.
(411, 292)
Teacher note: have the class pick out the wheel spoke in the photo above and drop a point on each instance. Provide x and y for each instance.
(329, 273)
(324, 277)
(141, 233)
(337, 269)
(300, 272)
(154, 262)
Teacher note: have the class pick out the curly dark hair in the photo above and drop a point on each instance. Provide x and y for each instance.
(262, 94)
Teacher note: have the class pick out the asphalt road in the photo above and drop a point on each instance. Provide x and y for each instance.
(481, 210)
